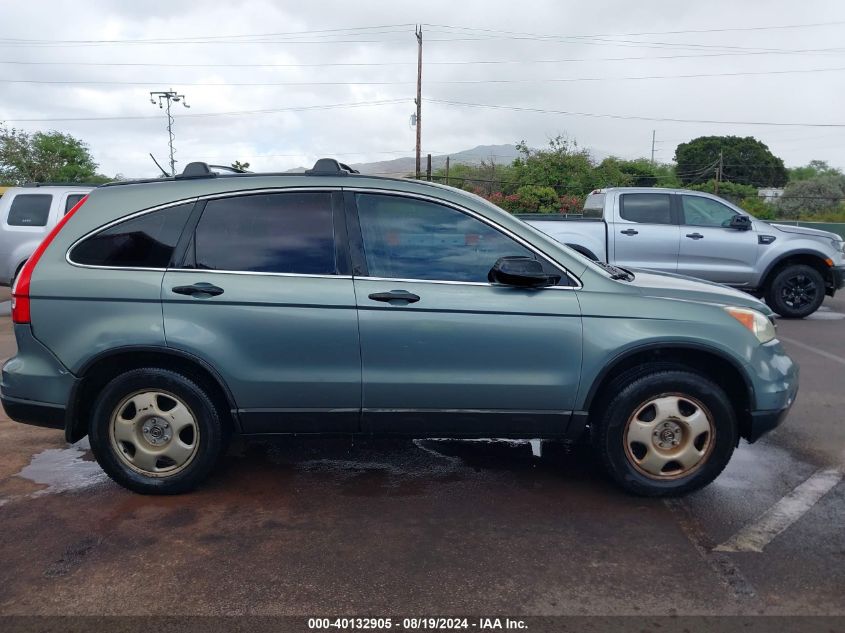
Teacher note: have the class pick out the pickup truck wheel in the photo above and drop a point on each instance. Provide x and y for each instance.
(796, 291)
(665, 432)
(154, 431)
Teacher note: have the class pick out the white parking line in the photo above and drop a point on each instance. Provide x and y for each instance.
(810, 348)
(754, 537)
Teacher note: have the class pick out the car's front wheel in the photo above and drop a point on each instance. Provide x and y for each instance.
(155, 431)
(796, 291)
(664, 432)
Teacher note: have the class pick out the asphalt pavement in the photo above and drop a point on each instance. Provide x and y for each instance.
(307, 527)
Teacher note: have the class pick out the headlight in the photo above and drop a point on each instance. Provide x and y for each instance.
(755, 322)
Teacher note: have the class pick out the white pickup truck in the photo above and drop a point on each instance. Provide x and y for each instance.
(701, 235)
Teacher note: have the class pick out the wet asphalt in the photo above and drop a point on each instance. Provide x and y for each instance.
(307, 527)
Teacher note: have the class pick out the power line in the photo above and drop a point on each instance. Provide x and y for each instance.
(389, 28)
(105, 82)
(631, 116)
(718, 30)
(324, 32)
(406, 63)
(517, 35)
(329, 106)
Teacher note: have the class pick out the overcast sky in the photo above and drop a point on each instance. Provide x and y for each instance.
(360, 58)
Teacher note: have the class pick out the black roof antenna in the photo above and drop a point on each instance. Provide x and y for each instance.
(166, 175)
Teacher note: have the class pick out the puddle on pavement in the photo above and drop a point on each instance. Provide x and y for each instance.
(63, 469)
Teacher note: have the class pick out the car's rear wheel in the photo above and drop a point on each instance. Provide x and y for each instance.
(796, 291)
(156, 431)
(665, 432)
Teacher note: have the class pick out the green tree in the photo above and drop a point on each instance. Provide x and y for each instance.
(813, 169)
(563, 166)
(44, 157)
(745, 161)
(484, 178)
(240, 166)
(729, 190)
(538, 199)
(639, 172)
(758, 207)
(816, 196)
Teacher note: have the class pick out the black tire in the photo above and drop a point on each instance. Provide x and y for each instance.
(796, 291)
(632, 390)
(210, 441)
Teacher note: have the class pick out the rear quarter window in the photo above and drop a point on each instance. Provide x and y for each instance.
(594, 206)
(72, 200)
(30, 209)
(145, 241)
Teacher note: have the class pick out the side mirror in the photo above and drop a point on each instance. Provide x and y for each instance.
(525, 272)
(740, 223)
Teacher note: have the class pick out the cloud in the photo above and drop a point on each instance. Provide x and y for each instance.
(281, 140)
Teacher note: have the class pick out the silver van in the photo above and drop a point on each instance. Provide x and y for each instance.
(26, 215)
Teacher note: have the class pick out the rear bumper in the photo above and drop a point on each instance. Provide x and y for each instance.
(51, 416)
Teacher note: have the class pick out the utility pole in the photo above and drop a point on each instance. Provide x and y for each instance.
(168, 96)
(418, 33)
(653, 132)
(428, 168)
(447, 170)
(718, 173)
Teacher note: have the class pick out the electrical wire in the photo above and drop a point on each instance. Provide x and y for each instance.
(630, 116)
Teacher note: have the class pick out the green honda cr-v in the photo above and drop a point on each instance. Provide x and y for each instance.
(160, 317)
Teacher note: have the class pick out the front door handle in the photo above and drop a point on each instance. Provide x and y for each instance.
(201, 288)
(629, 232)
(395, 295)
(695, 236)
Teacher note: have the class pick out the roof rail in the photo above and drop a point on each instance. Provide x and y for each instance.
(230, 169)
(58, 184)
(330, 167)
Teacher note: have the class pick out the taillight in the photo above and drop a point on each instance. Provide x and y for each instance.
(20, 291)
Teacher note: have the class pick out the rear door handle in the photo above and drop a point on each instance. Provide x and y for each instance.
(201, 288)
(695, 236)
(629, 232)
(395, 295)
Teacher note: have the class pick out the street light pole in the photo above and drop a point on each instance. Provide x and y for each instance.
(167, 97)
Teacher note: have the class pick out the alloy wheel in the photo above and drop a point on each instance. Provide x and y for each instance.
(799, 291)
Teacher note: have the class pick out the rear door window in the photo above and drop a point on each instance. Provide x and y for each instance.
(646, 208)
(146, 241)
(267, 233)
(30, 209)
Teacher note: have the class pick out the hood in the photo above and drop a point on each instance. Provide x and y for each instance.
(682, 288)
(803, 230)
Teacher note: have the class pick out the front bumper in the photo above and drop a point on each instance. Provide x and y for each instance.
(775, 377)
(761, 422)
(837, 275)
